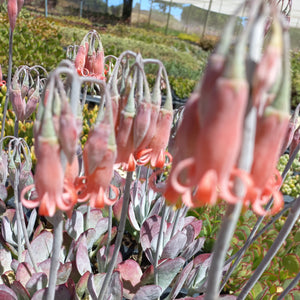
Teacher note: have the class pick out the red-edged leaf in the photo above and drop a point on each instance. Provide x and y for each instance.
(131, 273)
(20, 291)
(7, 293)
(24, 273)
(63, 273)
(37, 282)
(81, 285)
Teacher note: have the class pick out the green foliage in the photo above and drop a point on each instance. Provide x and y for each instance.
(291, 184)
(36, 42)
(182, 87)
(295, 64)
(283, 267)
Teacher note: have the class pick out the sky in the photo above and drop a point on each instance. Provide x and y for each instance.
(145, 5)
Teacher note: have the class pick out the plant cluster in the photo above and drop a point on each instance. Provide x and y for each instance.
(102, 212)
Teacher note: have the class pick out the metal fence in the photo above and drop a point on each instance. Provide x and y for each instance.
(182, 18)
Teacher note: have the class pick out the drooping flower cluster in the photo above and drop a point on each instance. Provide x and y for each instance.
(89, 59)
(25, 90)
(142, 125)
(209, 138)
(56, 133)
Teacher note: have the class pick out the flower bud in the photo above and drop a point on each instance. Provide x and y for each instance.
(12, 10)
(32, 102)
(17, 102)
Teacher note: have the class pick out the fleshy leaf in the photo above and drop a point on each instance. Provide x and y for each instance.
(132, 218)
(81, 285)
(131, 273)
(180, 281)
(174, 246)
(94, 217)
(61, 292)
(149, 231)
(167, 271)
(7, 293)
(82, 258)
(63, 273)
(5, 261)
(24, 273)
(291, 263)
(74, 225)
(41, 247)
(7, 232)
(94, 284)
(115, 289)
(37, 282)
(19, 289)
(193, 248)
(148, 292)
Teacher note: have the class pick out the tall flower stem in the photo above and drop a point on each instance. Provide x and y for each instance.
(283, 234)
(8, 81)
(159, 243)
(17, 204)
(57, 242)
(108, 235)
(233, 211)
(121, 229)
(252, 237)
(28, 246)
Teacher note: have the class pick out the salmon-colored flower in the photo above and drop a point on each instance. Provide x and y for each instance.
(17, 101)
(12, 10)
(265, 177)
(81, 58)
(99, 155)
(268, 69)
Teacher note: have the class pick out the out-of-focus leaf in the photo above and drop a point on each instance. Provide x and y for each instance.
(94, 217)
(291, 263)
(31, 222)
